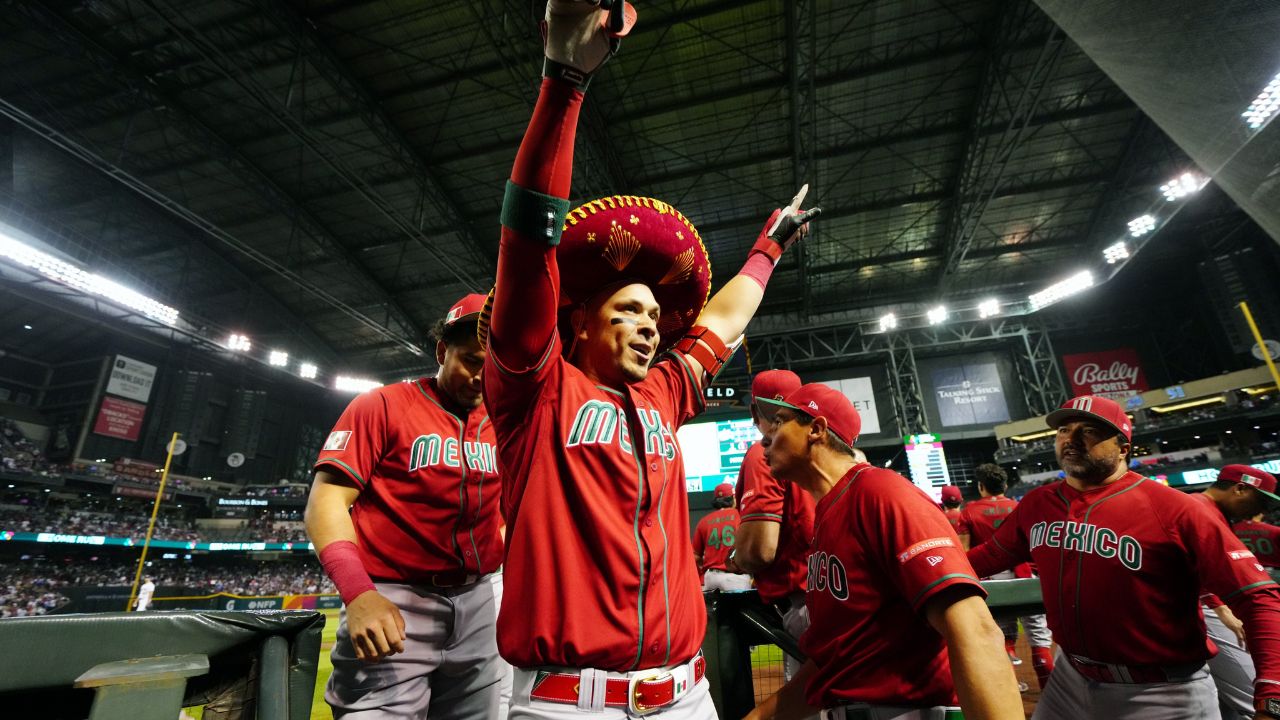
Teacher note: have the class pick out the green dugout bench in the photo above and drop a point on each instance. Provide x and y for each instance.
(738, 621)
(147, 666)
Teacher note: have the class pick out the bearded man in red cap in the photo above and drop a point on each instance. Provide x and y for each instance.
(714, 539)
(601, 341)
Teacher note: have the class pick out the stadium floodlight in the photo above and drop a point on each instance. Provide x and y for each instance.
(354, 385)
(988, 308)
(1182, 186)
(278, 358)
(888, 322)
(1115, 253)
(238, 342)
(308, 371)
(1265, 105)
(1079, 282)
(1142, 225)
(86, 282)
(937, 315)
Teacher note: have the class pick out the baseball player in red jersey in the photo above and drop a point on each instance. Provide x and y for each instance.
(1261, 538)
(404, 515)
(777, 520)
(899, 626)
(1238, 492)
(714, 539)
(978, 522)
(603, 611)
(1122, 559)
(951, 499)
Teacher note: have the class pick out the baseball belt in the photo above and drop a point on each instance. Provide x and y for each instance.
(864, 711)
(641, 691)
(1133, 674)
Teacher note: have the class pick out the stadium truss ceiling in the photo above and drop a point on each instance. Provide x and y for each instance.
(325, 175)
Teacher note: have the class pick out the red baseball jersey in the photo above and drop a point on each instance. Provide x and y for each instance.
(953, 517)
(980, 518)
(881, 550)
(1262, 539)
(1122, 566)
(762, 497)
(713, 538)
(428, 478)
(598, 562)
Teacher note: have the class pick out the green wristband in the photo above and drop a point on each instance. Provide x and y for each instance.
(533, 214)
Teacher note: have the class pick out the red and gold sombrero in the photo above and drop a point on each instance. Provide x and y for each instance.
(624, 239)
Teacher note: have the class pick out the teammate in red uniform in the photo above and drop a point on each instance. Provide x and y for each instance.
(714, 539)
(1263, 539)
(1122, 559)
(978, 522)
(404, 515)
(951, 500)
(777, 520)
(899, 625)
(604, 611)
(1238, 492)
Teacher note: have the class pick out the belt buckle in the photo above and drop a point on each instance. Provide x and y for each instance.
(633, 685)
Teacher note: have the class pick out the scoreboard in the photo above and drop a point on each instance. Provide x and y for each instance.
(927, 464)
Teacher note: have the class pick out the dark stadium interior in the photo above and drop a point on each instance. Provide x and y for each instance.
(321, 179)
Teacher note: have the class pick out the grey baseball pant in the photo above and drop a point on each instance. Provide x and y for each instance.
(1071, 696)
(1232, 670)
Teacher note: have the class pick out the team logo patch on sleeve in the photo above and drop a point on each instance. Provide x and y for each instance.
(1240, 555)
(338, 440)
(923, 545)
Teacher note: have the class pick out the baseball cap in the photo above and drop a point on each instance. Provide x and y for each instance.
(724, 490)
(775, 384)
(1092, 407)
(468, 308)
(818, 400)
(951, 492)
(1263, 482)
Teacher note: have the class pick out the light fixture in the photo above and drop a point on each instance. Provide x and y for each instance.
(937, 315)
(888, 322)
(1189, 404)
(1079, 282)
(355, 385)
(988, 308)
(1115, 253)
(1263, 106)
(86, 282)
(1182, 186)
(26, 327)
(278, 358)
(1033, 436)
(239, 343)
(307, 370)
(1142, 225)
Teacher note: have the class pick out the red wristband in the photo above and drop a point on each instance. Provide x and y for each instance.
(758, 267)
(341, 561)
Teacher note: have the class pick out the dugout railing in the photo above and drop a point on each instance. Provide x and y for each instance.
(148, 666)
(737, 622)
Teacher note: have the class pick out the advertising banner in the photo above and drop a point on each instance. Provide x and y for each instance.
(1115, 374)
(131, 379)
(970, 394)
(860, 392)
(119, 418)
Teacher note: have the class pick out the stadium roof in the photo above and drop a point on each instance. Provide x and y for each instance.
(325, 176)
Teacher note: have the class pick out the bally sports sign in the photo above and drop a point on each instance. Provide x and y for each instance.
(1114, 374)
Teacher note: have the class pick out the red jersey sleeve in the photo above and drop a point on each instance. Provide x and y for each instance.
(675, 380)
(762, 497)
(963, 525)
(700, 538)
(1005, 550)
(358, 439)
(911, 539)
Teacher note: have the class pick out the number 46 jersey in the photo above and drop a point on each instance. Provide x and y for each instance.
(713, 539)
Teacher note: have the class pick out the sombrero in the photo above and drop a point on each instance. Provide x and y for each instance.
(624, 239)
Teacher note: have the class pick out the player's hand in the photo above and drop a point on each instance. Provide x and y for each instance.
(376, 627)
(785, 227)
(1232, 622)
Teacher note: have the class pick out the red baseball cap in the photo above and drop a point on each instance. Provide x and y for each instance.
(951, 492)
(1263, 482)
(468, 308)
(1092, 407)
(823, 401)
(774, 384)
(724, 490)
